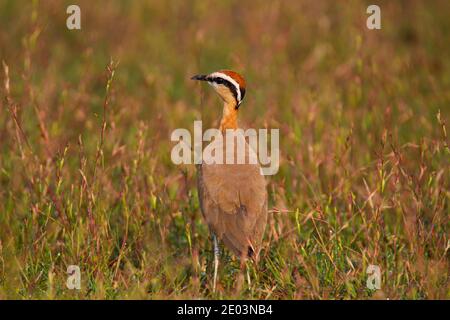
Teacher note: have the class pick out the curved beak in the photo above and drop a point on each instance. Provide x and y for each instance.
(200, 77)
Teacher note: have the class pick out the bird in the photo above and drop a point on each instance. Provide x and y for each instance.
(232, 197)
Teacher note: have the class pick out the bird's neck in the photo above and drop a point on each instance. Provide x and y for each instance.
(229, 117)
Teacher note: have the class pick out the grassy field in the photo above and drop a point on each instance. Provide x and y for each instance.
(86, 177)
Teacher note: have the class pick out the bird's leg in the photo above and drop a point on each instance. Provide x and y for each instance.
(248, 275)
(216, 260)
(245, 265)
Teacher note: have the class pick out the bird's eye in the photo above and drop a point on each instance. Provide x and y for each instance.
(219, 81)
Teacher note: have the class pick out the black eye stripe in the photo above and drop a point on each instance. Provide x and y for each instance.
(242, 93)
(229, 85)
(219, 80)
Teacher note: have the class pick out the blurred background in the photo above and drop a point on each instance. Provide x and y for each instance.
(85, 123)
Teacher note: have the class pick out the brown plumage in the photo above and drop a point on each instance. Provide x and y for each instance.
(233, 201)
(233, 197)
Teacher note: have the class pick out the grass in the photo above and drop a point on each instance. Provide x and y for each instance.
(85, 170)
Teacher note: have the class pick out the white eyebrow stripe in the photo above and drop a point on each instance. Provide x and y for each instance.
(230, 79)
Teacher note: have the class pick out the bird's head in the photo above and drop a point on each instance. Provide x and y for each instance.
(228, 84)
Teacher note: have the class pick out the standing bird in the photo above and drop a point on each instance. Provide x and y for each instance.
(233, 197)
